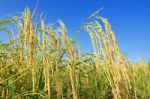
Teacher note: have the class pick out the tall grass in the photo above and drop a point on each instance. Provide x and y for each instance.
(44, 63)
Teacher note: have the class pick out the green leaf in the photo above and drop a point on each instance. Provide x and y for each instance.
(2, 46)
(7, 21)
(3, 29)
(11, 89)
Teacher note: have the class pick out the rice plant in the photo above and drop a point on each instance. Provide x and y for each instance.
(44, 63)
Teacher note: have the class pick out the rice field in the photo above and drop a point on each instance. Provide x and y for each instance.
(42, 62)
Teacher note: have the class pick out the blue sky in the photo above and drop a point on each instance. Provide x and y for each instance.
(130, 19)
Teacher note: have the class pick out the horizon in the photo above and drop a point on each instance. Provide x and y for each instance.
(129, 19)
